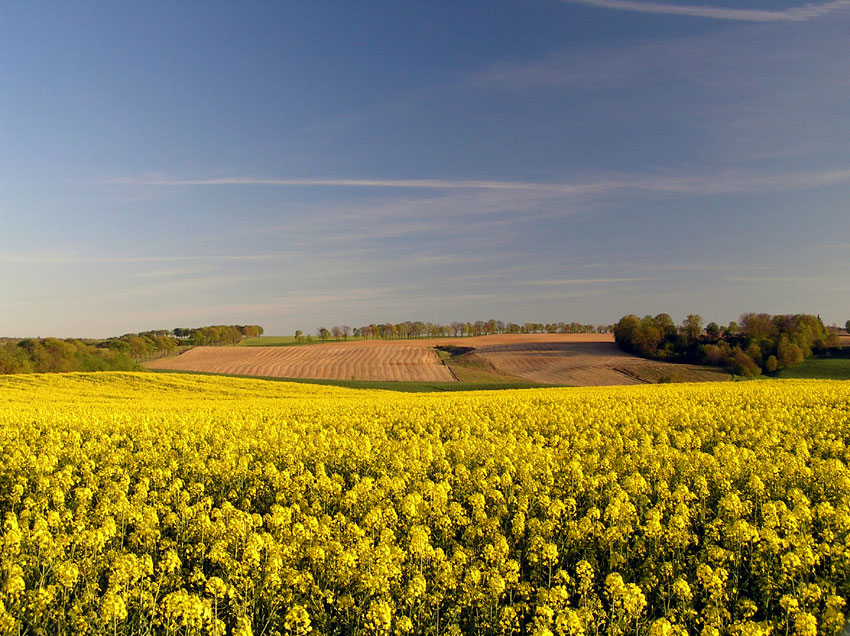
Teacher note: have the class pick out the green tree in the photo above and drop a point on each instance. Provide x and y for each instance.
(692, 327)
(665, 323)
(788, 353)
(743, 365)
(771, 364)
(758, 326)
(627, 331)
(389, 331)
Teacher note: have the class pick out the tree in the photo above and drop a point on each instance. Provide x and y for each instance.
(788, 353)
(771, 364)
(626, 331)
(665, 323)
(299, 335)
(754, 351)
(249, 331)
(716, 355)
(847, 326)
(744, 365)
(323, 333)
(758, 326)
(692, 327)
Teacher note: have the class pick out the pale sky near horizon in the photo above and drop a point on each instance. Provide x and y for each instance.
(298, 165)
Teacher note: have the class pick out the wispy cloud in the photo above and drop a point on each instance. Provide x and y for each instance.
(168, 273)
(794, 14)
(37, 258)
(582, 281)
(420, 184)
(781, 280)
(716, 183)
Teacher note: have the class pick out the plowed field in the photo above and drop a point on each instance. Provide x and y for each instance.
(394, 362)
(586, 364)
(568, 359)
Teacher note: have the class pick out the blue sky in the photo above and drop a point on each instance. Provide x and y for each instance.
(307, 164)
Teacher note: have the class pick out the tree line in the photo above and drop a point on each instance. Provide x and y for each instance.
(420, 329)
(217, 334)
(122, 353)
(755, 344)
(49, 355)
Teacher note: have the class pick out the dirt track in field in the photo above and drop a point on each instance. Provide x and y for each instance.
(323, 362)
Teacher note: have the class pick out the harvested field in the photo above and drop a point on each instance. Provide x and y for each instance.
(566, 359)
(394, 362)
(587, 364)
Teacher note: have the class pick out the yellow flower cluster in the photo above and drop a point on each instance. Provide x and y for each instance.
(177, 504)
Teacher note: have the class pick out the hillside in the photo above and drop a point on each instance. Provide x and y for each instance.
(559, 359)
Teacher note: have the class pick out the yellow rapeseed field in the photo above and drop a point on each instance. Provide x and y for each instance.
(176, 504)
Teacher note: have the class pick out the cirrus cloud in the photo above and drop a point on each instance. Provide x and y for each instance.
(794, 14)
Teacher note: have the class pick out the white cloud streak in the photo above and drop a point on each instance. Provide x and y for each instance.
(72, 259)
(582, 281)
(718, 183)
(795, 14)
(423, 184)
(782, 280)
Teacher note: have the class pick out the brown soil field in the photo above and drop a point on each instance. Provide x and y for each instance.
(587, 363)
(568, 359)
(399, 362)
